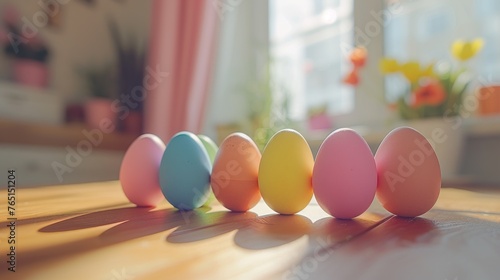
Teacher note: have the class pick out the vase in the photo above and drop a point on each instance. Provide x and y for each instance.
(30, 73)
(97, 110)
(447, 138)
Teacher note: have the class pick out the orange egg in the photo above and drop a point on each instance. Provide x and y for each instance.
(409, 176)
(235, 171)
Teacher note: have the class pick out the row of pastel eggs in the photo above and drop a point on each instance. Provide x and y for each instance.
(404, 174)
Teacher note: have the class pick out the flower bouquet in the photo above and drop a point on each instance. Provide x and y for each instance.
(434, 90)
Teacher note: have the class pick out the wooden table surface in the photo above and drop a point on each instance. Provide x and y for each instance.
(90, 231)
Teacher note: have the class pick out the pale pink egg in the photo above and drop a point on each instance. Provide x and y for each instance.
(139, 171)
(344, 176)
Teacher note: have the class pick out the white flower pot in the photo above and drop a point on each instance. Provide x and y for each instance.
(447, 138)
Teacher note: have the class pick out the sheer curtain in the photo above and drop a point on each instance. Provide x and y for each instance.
(181, 55)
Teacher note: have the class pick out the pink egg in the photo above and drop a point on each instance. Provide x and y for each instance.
(344, 176)
(139, 171)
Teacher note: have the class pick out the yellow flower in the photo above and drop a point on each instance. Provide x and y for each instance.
(429, 71)
(463, 51)
(413, 71)
(389, 65)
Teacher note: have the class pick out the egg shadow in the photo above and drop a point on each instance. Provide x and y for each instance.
(330, 232)
(208, 225)
(404, 232)
(133, 222)
(393, 232)
(272, 231)
(151, 223)
(338, 247)
(96, 219)
(412, 230)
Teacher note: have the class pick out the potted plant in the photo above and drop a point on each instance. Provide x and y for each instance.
(433, 100)
(268, 101)
(29, 53)
(99, 83)
(131, 62)
(318, 118)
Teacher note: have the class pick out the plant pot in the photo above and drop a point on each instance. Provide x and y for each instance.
(98, 109)
(489, 100)
(320, 122)
(447, 138)
(30, 73)
(133, 123)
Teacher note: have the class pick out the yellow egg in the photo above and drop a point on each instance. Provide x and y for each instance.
(285, 172)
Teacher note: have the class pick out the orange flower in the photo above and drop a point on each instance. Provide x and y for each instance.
(432, 93)
(358, 57)
(352, 78)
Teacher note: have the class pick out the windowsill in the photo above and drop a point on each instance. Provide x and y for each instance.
(473, 127)
(33, 134)
(482, 126)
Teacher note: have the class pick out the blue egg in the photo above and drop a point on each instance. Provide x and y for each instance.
(185, 172)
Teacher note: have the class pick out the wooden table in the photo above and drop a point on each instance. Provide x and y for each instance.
(90, 231)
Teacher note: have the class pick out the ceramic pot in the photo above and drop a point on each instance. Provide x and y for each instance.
(132, 124)
(489, 100)
(447, 137)
(30, 73)
(97, 109)
(320, 122)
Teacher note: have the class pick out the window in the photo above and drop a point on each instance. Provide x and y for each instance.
(307, 38)
(426, 29)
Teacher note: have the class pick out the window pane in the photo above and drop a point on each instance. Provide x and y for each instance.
(426, 29)
(306, 45)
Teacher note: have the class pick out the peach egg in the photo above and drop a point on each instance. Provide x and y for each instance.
(409, 175)
(235, 172)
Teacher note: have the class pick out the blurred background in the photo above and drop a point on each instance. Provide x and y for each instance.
(81, 79)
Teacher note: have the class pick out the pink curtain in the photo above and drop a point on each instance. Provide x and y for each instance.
(183, 36)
